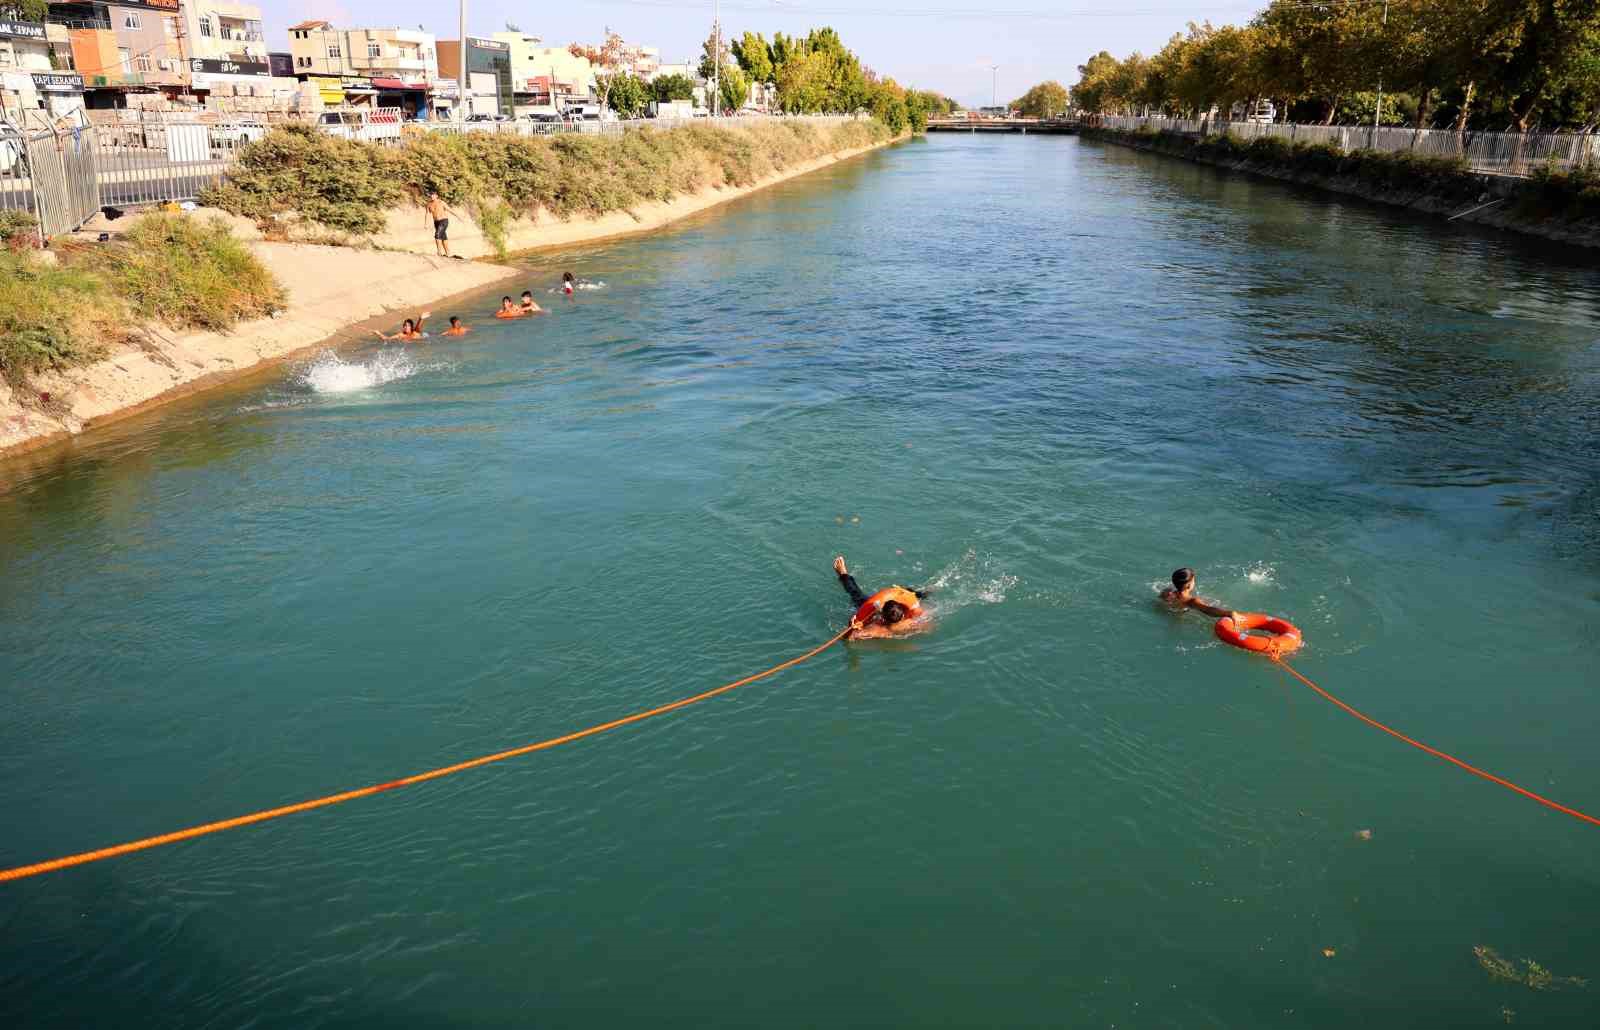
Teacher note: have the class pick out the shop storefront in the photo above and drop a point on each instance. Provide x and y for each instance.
(60, 93)
(410, 98)
(230, 78)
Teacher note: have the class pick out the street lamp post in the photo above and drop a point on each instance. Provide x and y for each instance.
(994, 86)
(461, 67)
(716, 56)
(1378, 111)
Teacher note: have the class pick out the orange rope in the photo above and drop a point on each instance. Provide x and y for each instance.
(1435, 752)
(333, 799)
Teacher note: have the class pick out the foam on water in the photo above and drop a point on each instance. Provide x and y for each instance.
(329, 373)
(969, 580)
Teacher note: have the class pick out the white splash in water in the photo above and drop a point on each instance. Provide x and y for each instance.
(969, 580)
(581, 287)
(1260, 573)
(330, 373)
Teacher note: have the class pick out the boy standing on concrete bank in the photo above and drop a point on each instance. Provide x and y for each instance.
(439, 211)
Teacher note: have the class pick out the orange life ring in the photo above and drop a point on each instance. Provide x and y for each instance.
(1285, 637)
(874, 604)
(518, 313)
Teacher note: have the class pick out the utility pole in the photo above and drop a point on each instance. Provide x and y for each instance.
(994, 87)
(461, 67)
(716, 56)
(1379, 109)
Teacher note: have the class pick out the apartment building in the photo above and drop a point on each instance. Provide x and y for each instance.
(36, 80)
(545, 76)
(224, 31)
(396, 68)
(122, 49)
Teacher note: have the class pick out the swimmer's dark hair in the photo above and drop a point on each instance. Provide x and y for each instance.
(454, 319)
(566, 277)
(893, 612)
(528, 294)
(1182, 578)
(505, 298)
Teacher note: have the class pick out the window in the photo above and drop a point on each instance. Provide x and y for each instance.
(143, 63)
(205, 25)
(6, 59)
(302, 62)
(126, 57)
(171, 25)
(374, 49)
(334, 51)
(130, 19)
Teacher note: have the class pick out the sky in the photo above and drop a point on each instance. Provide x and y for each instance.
(948, 46)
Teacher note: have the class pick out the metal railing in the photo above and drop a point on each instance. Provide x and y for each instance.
(524, 127)
(50, 174)
(1494, 153)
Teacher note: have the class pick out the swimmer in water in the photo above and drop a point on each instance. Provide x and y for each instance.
(529, 305)
(568, 283)
(410, 329)
(508, 309)
(1181, 595)
(456, 328)
(887, 613)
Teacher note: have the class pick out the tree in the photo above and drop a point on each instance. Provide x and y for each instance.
(734, 87)
(25, 10)
(708, 63)
(1094, 76)
(754, 56)
(609, 63)
(629, 96)
(673, 87)
(1046, 100)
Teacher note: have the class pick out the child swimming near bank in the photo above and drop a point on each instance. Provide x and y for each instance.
(410, 329)
(456, 328)
(529, 305)
(569, 283)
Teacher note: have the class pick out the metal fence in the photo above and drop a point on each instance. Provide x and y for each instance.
(50, 174)
(63, 175)
(1494, 153)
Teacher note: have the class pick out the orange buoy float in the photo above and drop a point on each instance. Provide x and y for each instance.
(1284, 639)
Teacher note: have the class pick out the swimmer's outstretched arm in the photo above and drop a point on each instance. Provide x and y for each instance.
(1210, 609)
(858, 596)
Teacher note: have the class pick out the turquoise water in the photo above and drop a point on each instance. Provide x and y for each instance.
(1037, 373)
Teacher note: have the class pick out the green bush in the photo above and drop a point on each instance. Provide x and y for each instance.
(18, 230)
(188, 274)
(348, 186)
(52, 316)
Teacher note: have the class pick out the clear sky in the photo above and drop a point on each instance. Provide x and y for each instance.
(948, 45)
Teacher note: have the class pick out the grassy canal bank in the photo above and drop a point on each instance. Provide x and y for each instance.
(1552, 204)
(330, 236)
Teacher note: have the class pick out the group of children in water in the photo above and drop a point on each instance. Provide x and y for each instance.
(898, 610)
(411, 329)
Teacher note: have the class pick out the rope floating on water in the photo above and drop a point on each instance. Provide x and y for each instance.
(1435, 752)
(22, 872)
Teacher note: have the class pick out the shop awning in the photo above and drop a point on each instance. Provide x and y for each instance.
(397, 84)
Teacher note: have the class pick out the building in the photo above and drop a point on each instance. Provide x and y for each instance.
(221, 30)
(125, 50)
(396, 68)
(36, 80)
(486, 80)
(544, 76)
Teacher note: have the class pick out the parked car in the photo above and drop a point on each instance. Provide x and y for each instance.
(1261, 112)
(234, 134)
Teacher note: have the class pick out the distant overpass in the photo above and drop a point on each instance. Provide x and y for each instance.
(1041, 126)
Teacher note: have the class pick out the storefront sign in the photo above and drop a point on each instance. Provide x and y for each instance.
(169, 5)
(210, 67)
(55, 82)
(487, 44)
(22, 29)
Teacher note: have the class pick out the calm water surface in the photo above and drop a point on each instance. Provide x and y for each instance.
(1036, 373)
